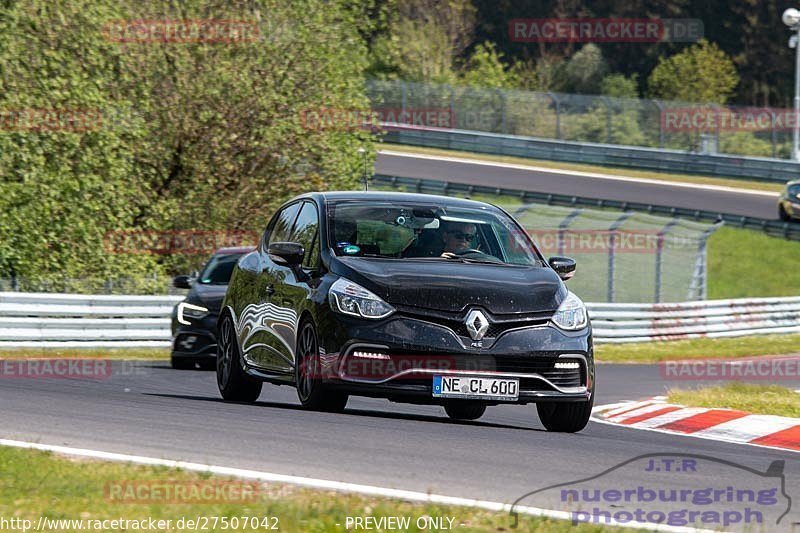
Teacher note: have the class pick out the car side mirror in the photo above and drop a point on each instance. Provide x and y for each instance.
(287, 253)
(182, 282)
(564, 266)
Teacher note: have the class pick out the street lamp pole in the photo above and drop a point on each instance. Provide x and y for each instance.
(363, 153)
(796, 130)
(791, 17)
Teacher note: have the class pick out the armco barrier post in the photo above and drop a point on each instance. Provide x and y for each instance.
(612, 244)
(660, 123)
(558, 113)
(660, 256)
(773, 135)
(404, 98)
(608, 118)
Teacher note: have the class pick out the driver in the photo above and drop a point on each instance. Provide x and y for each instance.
(458, 237)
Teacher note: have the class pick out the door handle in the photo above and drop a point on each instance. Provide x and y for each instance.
(270, 290)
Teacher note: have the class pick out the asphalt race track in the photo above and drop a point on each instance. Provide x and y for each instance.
(722, 201)
(146, 408)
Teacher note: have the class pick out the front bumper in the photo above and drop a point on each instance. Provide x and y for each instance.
(791, 208)
(397, 359)
(196, 340)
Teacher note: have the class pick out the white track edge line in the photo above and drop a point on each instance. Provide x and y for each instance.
(691, 435)
(341, 486)
(613, 177)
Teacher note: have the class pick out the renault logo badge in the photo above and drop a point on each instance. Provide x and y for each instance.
(477, 324)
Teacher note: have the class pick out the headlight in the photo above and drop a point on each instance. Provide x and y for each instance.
(571, 314)
(351, 298)
(186, 311)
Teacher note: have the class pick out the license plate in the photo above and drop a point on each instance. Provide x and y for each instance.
(476, 388)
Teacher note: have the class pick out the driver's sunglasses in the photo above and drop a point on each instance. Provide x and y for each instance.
(461, 235)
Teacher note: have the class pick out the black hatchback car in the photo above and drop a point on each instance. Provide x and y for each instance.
(410, 297)
(194, 320)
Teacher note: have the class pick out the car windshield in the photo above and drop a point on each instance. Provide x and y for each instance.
(416, 231)
(218, 270)
(794, 190)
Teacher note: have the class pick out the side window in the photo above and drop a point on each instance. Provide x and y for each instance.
(305, 232)
(283, 224)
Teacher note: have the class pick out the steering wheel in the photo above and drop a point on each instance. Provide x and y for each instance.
(468, 251)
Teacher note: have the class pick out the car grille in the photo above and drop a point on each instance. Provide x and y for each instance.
(497, 324)
(530, 365)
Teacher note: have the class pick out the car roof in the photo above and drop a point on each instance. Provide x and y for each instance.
(394, 197)
(793, 182)
(235, 250)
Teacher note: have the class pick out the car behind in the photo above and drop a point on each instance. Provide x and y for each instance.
(789, 202)
(194, 320)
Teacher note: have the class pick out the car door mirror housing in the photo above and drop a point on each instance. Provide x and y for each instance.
(287, 253)
(564, 266)
(182, 282)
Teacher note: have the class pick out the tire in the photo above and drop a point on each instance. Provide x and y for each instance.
(310, 390)
(179, 363)
(565, 417)
(464, 410)
(234, 384)
(783, 214)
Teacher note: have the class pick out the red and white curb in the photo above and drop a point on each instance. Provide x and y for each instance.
(728, 425)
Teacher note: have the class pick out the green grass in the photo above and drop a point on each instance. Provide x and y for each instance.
(617, 171)
(757, 399)
(653, 352)
(86, 353)
(747, 263)
(37, 484)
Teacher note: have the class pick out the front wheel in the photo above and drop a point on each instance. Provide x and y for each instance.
(783, 214)
(565, 417)
(234, 384)
(310, 389)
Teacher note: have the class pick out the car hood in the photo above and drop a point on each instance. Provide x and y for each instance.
(453, 286)
(209, 296)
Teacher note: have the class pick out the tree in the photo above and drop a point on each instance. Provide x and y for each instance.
(197, 135)
(620, 86)
(422, 40)
(585, 70)
(485, 68)
(700, 73)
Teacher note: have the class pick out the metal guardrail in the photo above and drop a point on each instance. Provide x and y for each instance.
(67, 320)
(43, 320)
(775, 228)
(620, 323)
(656, 159)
